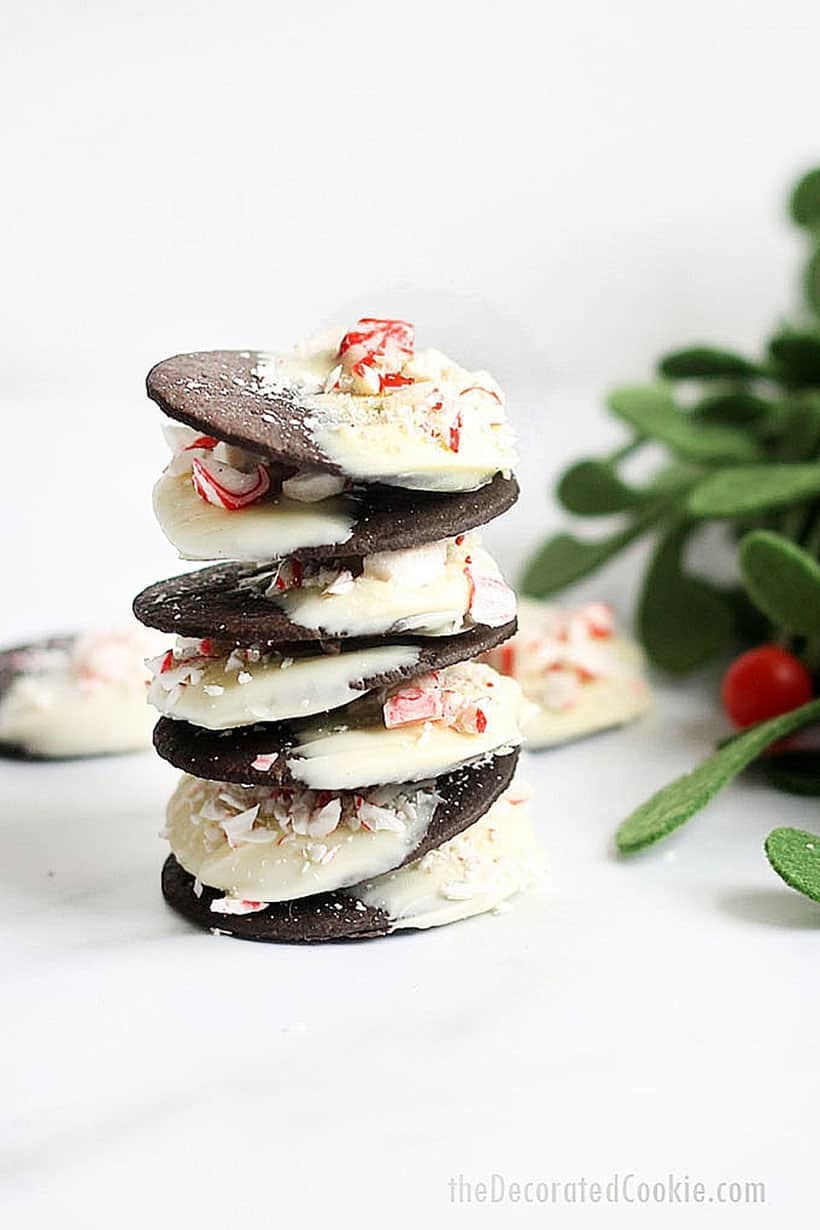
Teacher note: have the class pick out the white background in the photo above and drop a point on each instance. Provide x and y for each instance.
(561, 186)
(558, 191)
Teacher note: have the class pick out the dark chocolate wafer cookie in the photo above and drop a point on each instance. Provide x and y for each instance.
(216, 392)
(330, 916)
(465, 796)
(224, 601)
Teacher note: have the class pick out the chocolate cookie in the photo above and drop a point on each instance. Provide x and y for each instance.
(222, 601)
(330, 916)
(228, 756)
(216, 392)
(466, 795)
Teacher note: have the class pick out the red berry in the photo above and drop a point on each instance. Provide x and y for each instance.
(763, 683)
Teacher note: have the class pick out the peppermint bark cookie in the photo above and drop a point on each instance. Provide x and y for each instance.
(222, 686)
(477, 871)
(435, 590)
(424, 728)
(361, 405)
(580, 673)
(77, 696)
(276, 843)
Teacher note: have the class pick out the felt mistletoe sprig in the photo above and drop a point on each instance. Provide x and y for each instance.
(740, 442)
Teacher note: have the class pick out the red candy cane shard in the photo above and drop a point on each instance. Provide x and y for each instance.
(226, 487)
(479, 388)
(420, 702)
(599, 618)
(201, 442)
(507, 659)
(491, 601)
(373, 338)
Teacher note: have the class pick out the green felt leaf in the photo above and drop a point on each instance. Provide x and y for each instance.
(795, 772)
(751, 625)
(565, 559)
(674, 479)
(782, 580)
(795, 855)
(705, 363)
(739, 491)
(652, 412)
(796, 356)
(681, 799)
(800, 434)
(593, 488)
(812, 281)
(683, 621)
(739, 409)
(804, 205)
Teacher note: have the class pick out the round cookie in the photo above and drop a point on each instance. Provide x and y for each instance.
(376, 519)
(331, 916)
(219, 602)
(220, 393)
(466, 793)
(308, 678)
(76, 696)
(230, 754)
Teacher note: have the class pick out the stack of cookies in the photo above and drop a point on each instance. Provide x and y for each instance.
(348, 763)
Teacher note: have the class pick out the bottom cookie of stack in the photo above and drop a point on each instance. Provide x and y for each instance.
(398, 804)
(473, 872)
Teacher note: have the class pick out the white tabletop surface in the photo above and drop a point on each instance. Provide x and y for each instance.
(643, 1018)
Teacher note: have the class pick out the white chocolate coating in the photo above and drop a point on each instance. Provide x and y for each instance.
(330, 757)
(476, 871)
(278, 690)
(387, 596)
(281, 867)
(578, 683)
(394, 437)
(271, 528)
(88, 701)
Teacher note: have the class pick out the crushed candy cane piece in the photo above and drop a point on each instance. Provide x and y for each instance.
(342, 583)
(309, 486)
(417, 702)
(372, 355)
(472, 719)
(372, 336)
(600, 618)
(480, 388)
(492, 602)
(226, 487)
(235, 827)
(265, 761)
(289, 574)
(454, 436)
(236, 905)
(375, 818)
(325, 819)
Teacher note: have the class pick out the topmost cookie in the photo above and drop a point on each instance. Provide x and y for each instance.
(364, 405)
